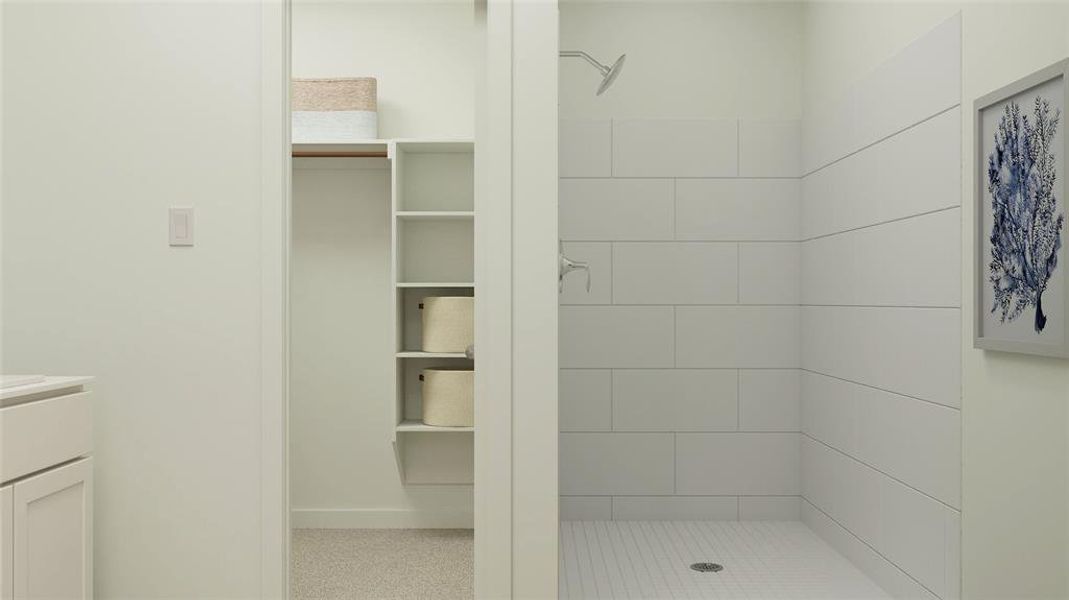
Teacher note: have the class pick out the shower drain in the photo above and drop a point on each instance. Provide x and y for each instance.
(705, 567)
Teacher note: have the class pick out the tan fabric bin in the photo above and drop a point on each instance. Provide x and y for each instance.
(448, 323)
(335, 110)
(448, 397)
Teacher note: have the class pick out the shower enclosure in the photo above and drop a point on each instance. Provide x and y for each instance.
(760, 388)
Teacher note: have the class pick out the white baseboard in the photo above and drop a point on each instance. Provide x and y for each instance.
(370, 518)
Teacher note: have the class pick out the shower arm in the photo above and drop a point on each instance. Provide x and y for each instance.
(590, 59)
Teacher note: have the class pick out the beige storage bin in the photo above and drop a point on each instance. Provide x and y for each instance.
(448, 397)
(335, 110)
(448, 323)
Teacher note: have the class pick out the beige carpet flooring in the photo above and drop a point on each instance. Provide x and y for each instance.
(382, 564)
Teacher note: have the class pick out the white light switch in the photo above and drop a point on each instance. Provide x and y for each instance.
(181, 226)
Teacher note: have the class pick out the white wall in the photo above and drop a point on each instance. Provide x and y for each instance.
(343, 467)
(881, 294)
(685, 350)
(421, 51)
(1016, 408)
(341, 373)
(112, 113)
(1015, 419)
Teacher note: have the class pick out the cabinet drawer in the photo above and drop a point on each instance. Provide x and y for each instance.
(38, 435)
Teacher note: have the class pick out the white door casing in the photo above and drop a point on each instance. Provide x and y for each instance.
(493, 328)
(516, 313)
(274, 293)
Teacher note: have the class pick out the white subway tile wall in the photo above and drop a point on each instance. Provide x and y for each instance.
(881, 320)
(690, 331)
(675, 148)
(675, 273)
(585, 400)
(735, 209)
(910, 351)
(599, 337)
(912, 262)
(686, 400)
(769, 273)
(922, 81)
(770, 148)
(585, 148)
(770, 508)
(869, 187)
(749, 464)
(586, 508)
(737, 337)
(772, 331)
(611, 464)
(770, 400)
(952, 537)
(616, 209)
(675, 508)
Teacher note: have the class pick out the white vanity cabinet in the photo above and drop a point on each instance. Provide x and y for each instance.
(46, 490)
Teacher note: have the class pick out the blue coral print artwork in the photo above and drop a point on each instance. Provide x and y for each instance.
(1026, 230)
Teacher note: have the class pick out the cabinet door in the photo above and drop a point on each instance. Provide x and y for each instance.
(7, 543)
(53, 520)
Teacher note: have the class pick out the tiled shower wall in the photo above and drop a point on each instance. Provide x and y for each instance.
(770, 318)
(679, 369)
(881, 319)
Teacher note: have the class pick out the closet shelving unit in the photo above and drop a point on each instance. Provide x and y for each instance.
(433, 243)
(432, 237)
(433, 204)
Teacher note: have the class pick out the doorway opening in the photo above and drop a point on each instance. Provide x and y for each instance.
(382, 289)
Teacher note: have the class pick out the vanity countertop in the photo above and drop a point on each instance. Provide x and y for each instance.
(35, 386)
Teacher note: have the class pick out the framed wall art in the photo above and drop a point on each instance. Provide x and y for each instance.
(1021, 296)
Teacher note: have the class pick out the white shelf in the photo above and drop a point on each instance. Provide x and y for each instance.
(418, 354)
(415, 146)
(433, 284)
(435, 215)
(410, 426)
(362, 148)
(436, 146)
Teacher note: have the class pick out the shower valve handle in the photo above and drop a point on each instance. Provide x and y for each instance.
(568, 265)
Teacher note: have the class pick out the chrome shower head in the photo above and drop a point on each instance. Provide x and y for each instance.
(608, 74)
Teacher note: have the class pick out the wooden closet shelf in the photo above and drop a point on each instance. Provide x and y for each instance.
(338, 154)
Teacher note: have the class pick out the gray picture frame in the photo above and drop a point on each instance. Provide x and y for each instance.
(1059, 307)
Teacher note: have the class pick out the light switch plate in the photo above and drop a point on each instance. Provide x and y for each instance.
(181, 226)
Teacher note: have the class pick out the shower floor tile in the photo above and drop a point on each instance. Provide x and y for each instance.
(651, 560)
